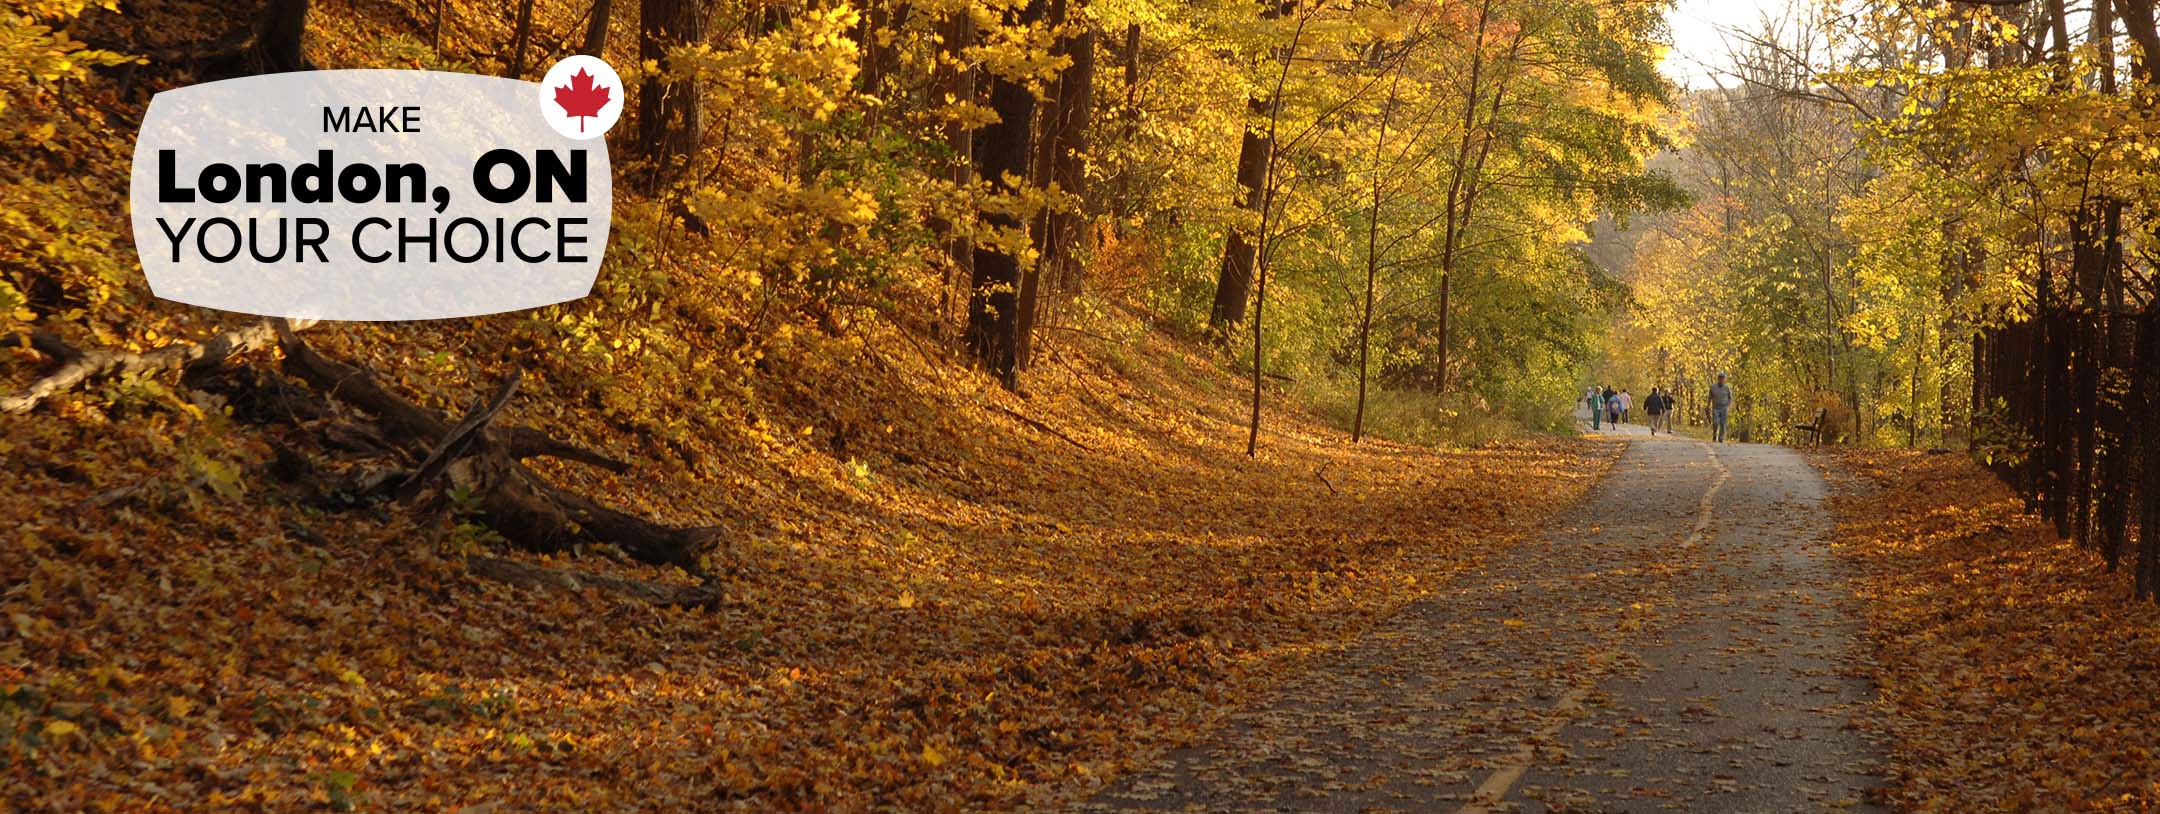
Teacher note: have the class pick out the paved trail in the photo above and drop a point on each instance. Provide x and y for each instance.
(1677, 641)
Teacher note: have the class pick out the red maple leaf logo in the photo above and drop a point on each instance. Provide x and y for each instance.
(581, 98)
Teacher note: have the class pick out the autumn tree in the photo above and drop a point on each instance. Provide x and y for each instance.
(670, 110)
(1256, 150)
(1060, 169)
(1001, 151)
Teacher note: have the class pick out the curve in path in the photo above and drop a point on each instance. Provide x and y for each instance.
(1676, 641)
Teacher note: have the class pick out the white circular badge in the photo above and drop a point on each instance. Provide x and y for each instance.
(581, 97)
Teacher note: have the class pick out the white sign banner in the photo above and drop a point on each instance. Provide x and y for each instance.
(375, 194)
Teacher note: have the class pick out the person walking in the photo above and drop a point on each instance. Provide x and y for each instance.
(1654, 407)
(1720, 408)
(1627, 404)
(1596, 405)
(1612, 407)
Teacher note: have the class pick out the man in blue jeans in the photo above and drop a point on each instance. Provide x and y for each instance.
(1720, 408)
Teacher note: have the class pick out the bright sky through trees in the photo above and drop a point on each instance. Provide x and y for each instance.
(1702, 35)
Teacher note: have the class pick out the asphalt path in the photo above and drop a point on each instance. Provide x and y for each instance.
(1679, 640)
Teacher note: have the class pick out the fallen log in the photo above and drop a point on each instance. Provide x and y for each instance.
(525, 442)
(78, 366)
(460, 439)
(358, 388)
(519, 504)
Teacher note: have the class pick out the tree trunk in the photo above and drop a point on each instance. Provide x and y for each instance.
(596, 28)
(1440, 367)
(1372, 265)
(442, 8)
(2089, 269)
(1256, 155)
(281, 36)
(2114, 334)
(956, 79)
(1068, 167)
(1462, 185)
(1912, 390)
(1129, 60)
(1267, 210)
(2145, 390)
(1029, 304)
(520, 40)
(670, 115)
(1001, 157)
(1060, 163)
(1233, 283)
(2137, 18)
(877, 57)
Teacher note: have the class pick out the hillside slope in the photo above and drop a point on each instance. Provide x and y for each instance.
(925, 591)
(961, 608)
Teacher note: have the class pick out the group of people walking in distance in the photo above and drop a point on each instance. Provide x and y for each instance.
(1609, 407)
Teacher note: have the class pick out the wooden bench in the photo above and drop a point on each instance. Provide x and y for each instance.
(1814, 430)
